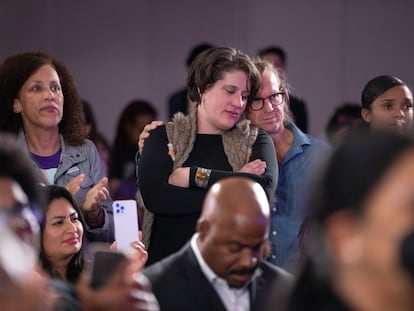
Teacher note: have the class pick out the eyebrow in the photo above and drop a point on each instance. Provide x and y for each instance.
(63, 217)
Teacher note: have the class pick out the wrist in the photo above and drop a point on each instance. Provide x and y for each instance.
(95, 218)
(202, 176)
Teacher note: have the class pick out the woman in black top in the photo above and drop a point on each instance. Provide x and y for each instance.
(182, 159)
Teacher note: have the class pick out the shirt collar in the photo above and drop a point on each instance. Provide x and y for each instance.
(210, 274)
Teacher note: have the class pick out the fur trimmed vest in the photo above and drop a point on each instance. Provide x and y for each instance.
(181, 133)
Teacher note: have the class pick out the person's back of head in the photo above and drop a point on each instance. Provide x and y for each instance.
(197, 50)
(344, 119)
(134, 116)
(276, 55)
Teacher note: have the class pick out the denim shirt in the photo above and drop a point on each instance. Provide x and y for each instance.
(289, 211)
(75, 160)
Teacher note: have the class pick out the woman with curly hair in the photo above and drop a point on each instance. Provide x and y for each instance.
(39, 104)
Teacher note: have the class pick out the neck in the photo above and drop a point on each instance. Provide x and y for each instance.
(364, 291)
(282, 140)
(204, 127)
(61, 265)
(42, 142)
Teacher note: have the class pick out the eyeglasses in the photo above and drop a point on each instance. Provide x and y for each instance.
(275, 99)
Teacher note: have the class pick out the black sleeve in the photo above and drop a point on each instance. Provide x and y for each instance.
(155, 166)
(263, 149)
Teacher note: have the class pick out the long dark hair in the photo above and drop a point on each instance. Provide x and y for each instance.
(53, 192)
(351, 174)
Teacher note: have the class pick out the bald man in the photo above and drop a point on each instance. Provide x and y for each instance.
(222, 267)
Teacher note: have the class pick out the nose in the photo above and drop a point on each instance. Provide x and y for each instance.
(70, 227)
(239, 102)
(400, 114)
(267, 105)
(248, 258)
(49, 94)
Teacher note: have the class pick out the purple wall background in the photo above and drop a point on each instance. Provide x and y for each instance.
(120, 50)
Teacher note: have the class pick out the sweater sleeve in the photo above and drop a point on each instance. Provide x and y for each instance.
(155, 167)
(262, 149)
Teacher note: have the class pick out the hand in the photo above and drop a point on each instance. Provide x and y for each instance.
(95, 198)
(145, 133)
(123, 291)
(73, 185)
(32, 294)
(139, 258)
(180, 177)
(257, 167)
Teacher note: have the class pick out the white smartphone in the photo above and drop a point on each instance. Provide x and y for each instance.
(126, 224)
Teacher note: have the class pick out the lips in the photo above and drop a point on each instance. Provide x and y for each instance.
(49, 108)
(71, 241)
(399, 127)
(233, 114)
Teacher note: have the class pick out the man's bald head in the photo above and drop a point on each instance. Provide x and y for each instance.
(233, 228)
(235, 196)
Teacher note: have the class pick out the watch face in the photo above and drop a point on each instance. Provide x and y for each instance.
(202, 176)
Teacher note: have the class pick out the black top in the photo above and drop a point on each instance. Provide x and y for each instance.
(177, 209)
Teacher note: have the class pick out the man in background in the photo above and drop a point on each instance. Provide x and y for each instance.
(277, 56)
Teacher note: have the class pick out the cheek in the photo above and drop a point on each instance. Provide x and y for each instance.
(252, 116)
(49, 239)
(80, 230)
(409, 117)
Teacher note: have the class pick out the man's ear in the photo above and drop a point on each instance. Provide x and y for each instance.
(366, 115)
(203, 227)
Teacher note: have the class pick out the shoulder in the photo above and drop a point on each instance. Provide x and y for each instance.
(271, 272)
(307, 139)
(263, 137)
(87, 147)
(168, 267)
(158, 133)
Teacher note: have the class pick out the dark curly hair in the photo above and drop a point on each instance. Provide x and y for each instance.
(51, 193)
(15, 71)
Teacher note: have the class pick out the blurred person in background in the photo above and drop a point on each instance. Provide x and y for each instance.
(343, 121)
(122, 175)
(101, 143)
(361, 229)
